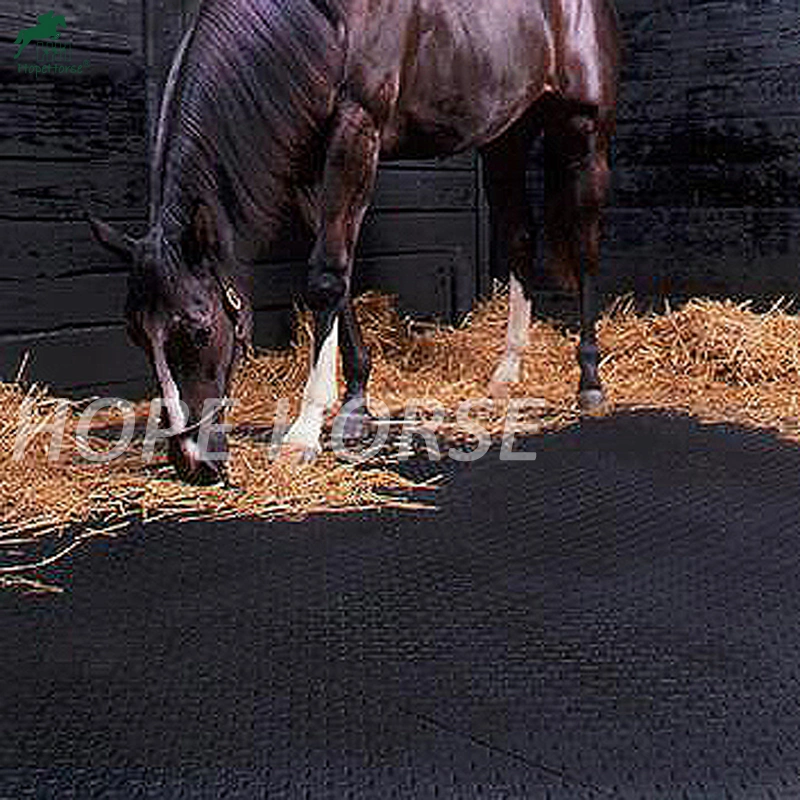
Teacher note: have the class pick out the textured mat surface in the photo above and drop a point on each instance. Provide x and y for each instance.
(618, 619)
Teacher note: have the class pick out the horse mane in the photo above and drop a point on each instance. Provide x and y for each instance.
(245, 104)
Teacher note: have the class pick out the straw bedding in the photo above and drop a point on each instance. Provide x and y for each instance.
(716, 360)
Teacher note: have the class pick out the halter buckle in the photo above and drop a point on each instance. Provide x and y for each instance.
(232, 298)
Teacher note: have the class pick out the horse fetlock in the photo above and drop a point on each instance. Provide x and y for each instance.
(591, 399)
(354, 422)
(297, 454)
(508, 370)
(588, 358)
(303, 436)
(588, 354)
(298, 448)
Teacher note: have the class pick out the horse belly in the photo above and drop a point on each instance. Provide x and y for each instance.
(468, 71)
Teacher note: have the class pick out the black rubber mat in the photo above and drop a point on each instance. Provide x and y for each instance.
(618, 619)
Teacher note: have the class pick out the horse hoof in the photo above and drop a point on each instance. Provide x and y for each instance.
(296, 454)
(591, 399)
(354, 427)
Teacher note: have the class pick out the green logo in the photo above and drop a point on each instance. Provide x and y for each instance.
(46, 28)
(52, 56)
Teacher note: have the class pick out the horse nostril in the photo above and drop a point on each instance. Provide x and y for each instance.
(202, 337)
(190, 464)
(206, 474)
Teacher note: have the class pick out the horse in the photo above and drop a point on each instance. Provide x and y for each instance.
(274, 107)
(46, 28)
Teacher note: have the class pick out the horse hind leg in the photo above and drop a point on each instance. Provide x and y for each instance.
(576, 183)
(504, 166)
(356, 365)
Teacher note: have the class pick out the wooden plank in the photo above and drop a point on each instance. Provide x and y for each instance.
(386, 232)
(629, 9)
(769, 94)
(740, 251)
(75, 359)
(163, 26)
(34, 250)
(720, 162)
(424, 190)
(278, 285)
(465, 160)
(733, 234)
(273, 328)
(71, 132)
(44, 191)
(109, 77)
(99, 114)
(40, 305)
(403, 232)
(422, 281)
(429, 295)
(705, 167)
(31, 250)
(712, 185)
(483, 250)
(707, 39)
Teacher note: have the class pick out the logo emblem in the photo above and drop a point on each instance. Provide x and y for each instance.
(46, 28)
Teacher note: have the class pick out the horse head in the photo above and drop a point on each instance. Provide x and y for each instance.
(186, 309)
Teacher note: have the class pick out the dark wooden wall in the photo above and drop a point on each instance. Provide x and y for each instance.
(706, 196)
(74, 142)
(704, 200)
(69, 142)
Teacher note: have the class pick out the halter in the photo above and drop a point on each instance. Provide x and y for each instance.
(233, 304)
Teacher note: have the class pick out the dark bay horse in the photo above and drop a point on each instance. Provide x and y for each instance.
(275, 105)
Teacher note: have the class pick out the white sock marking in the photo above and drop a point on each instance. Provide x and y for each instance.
(519, 319)
(319, 395)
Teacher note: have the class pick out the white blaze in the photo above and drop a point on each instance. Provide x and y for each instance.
(170, 393)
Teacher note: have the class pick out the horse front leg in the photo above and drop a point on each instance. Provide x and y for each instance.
(350, 168)
(576, 187)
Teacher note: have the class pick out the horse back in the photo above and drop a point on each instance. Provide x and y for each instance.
(586, 36)
(442, 75)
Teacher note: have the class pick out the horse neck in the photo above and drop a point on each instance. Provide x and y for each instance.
(194, 173)
(206, 142)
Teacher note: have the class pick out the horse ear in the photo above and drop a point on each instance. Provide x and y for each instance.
(112, 239)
